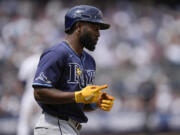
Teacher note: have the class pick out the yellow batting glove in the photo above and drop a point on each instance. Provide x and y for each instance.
(105, 102)
(90, 94)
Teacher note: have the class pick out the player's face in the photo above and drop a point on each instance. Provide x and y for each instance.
(89, 36)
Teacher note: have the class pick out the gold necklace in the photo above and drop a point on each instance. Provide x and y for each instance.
(70, 46)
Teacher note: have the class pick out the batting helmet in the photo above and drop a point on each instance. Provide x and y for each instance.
(84, 13)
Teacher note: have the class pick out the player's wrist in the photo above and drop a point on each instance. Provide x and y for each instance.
(78, 97)
(94, 106)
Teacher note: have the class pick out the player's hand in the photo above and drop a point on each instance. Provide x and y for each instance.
(90, 94)
(105, 102)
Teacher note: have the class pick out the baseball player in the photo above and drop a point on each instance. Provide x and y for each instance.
(28, 104)
(63, 84)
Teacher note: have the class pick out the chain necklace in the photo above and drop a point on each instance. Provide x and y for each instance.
(70, 46)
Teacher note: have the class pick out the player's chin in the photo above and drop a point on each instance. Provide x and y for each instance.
(92, 48)
(95, 42)
(94, 45)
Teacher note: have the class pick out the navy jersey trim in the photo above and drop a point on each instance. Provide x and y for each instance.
(45, 85)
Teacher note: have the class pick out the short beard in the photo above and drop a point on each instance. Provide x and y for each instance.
(87, 41)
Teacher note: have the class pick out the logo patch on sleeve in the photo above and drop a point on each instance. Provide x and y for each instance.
(43, 78)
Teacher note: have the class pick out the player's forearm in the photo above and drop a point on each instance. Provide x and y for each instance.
(53, 96)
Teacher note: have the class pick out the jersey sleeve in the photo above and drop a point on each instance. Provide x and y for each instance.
(49, 70)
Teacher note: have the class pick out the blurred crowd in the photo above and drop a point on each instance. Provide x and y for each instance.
(139, 57)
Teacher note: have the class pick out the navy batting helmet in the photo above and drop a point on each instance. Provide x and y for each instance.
(84, 13)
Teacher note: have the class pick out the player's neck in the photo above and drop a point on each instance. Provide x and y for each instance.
(74, 44)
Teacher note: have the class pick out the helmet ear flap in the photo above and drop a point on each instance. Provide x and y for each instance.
(73, 28)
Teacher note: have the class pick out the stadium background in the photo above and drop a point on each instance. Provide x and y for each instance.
(139, 57)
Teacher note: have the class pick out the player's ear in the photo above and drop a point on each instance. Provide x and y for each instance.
(79, 26)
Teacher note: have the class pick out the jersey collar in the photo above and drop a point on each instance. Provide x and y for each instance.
(69, 48)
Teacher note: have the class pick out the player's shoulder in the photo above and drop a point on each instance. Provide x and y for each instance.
(57, 50)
